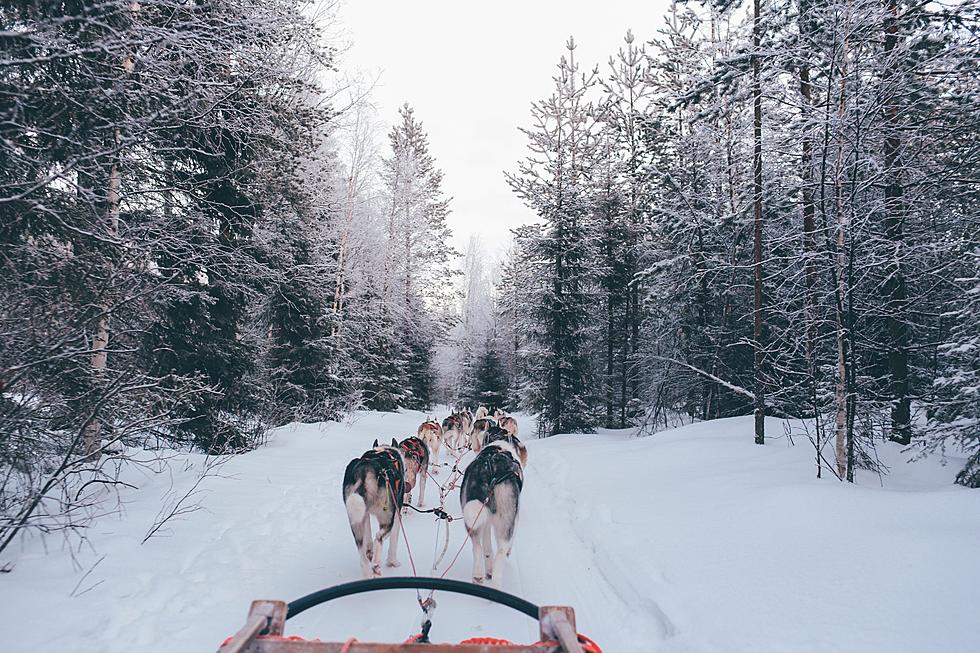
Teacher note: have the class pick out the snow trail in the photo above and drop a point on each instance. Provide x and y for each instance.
(691, 540)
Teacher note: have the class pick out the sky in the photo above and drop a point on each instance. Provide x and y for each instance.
(471, 70)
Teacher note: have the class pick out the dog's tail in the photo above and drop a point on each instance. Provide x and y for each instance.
(475, 515)
(356, 508)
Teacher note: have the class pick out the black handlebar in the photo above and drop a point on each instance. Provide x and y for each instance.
(409, 582)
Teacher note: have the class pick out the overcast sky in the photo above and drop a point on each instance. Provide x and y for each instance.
(471, 70)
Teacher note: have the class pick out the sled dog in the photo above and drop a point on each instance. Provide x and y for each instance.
(467, 418)
(416, 456)
(452, 430)
(496, 434)
(430, 432)
(508, 424)
(374, 485)
(490, 496)
(481, 412)
(480, 428)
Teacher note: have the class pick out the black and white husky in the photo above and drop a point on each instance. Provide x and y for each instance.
(374, 484)
(500, 434)
(490, 497)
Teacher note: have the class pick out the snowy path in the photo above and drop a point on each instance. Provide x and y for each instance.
(693, 540)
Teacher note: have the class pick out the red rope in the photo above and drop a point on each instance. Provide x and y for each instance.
(492, 641)
(587, 644)
(348, 644)
(401, 525)
(463, 545)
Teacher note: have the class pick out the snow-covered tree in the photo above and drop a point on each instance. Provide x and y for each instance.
(554, 181)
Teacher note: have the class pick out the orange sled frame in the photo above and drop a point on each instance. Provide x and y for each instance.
(263, 630)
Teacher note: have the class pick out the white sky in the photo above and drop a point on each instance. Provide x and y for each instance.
(470, 70)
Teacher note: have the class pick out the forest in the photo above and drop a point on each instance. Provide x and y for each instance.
(205, 233)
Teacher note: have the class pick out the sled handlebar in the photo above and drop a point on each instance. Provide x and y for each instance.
(408, 582)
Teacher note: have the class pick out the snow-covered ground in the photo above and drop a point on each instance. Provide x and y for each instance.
(691, 540)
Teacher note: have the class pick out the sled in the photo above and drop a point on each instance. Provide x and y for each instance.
(263, 629)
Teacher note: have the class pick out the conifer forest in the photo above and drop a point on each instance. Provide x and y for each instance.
(767, 208)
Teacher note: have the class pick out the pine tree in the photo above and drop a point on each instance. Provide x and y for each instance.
(488, 381)
(133, 178)
(416, 270)
(622, 207)
(553, 181)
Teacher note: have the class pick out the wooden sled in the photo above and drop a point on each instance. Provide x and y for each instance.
(263, 630)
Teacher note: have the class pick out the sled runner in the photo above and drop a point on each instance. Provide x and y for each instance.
(263, 630)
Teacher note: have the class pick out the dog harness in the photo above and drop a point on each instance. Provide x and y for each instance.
(414, 448)
(495, 434)
(392, 468)
(500, 465)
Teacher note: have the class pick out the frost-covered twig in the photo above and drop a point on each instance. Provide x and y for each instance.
(188, 502)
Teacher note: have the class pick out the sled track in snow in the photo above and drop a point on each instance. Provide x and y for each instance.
(607, 602)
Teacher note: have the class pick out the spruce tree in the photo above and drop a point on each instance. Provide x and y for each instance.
(554, 182)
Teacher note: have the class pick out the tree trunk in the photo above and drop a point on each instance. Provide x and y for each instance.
(92, 438)
(757, 331)
(809, 222)
(840, 393)
(895, 289)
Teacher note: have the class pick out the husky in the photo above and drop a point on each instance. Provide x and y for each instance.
(374, 485)
(498, 413)
(508, 424)
(481, 412)
(430, 432)
(453, 429)
(490, 496)
(496, 434)
(457, 428)
(467, 418)
(480, 428)
(416, 456)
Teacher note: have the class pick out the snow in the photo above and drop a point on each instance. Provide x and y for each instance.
(690, 540)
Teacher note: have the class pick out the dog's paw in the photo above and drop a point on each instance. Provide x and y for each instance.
(394, 563)
(478, 580)
(376, 570)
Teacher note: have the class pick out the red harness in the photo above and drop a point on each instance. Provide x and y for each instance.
(414, 448)
(393, 464)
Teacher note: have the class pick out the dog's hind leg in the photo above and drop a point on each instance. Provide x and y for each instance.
(475, 516)
(435, 456)
(360, 526)
(365, 548)
(387, 521)
(503, 550)
(393, 543)
(504, 523)
(487, 551)
(478, 555)
(424, 473)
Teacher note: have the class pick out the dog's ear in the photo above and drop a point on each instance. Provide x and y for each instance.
(394, 442)
(375, 442)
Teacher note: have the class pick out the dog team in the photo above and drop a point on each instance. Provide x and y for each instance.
(381, 482)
